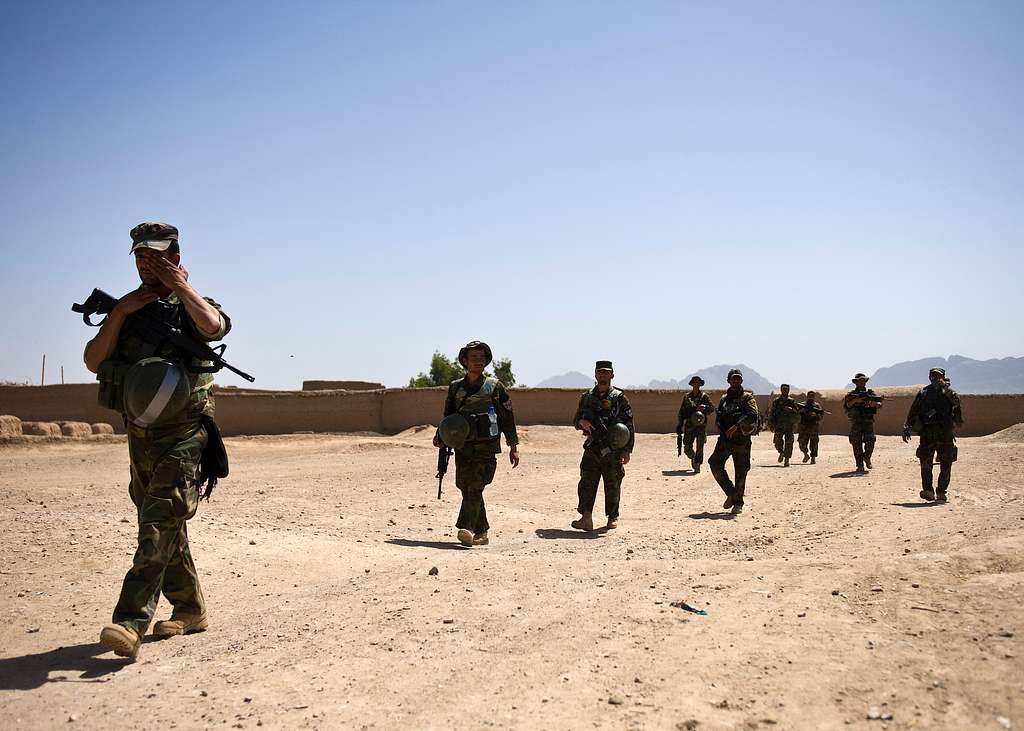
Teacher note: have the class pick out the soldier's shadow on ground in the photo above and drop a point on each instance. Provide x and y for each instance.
(558, 533)
(678, 473)
(914, 505)
(711, 516)
(28, 672)
(444, 545)
(851, 473)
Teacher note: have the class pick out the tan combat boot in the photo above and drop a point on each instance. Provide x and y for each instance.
(481, 539)
(120, 640)
(181, 624)
(465, 537)
(612, 523)
(586, 522)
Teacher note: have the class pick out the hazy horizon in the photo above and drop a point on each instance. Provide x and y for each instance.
(811, 190)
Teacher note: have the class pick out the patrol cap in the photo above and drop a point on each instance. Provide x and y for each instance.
(473, 345)
(940, 371)
(153, 235)
(860, 377)
(604, 365)
(734, 372)
(697, 380)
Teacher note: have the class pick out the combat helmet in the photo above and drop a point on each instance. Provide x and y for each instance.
(453, 430)
(618, 436)
(156, 391)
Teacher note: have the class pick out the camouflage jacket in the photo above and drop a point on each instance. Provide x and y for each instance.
(779, 411)
(936, 405)
(811, 413)
(692, 403)
(465, 397)
(611, 408)
(859, 411)
(737, 407)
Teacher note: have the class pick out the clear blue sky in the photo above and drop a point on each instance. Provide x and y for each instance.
(809, 188)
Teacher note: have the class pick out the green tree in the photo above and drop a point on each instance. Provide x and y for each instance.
(444, 370)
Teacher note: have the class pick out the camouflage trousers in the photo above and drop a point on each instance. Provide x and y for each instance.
(784, 440)
(937, 440)
(862, 437)
(473, 472)
(738, 448)
(163, 488)
(808, 440)
(694, 439)
(593, 468)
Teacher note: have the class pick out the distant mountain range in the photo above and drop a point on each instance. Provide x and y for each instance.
(998, 375)
(714, 376)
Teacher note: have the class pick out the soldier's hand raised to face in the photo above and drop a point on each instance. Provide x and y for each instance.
(173, 276)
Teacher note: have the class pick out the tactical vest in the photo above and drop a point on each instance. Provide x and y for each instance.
(692, 415)
(782, 416)
(731, 411)
(862, 411)
(936, 407)
(475, 408)
(811, 414)
(607, 408)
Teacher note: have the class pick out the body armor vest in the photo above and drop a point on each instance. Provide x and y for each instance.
(474, 407)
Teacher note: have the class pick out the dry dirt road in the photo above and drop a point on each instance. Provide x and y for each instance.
(831, 596)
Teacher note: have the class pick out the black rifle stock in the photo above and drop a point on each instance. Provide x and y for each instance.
(157, 332)
(443, 455)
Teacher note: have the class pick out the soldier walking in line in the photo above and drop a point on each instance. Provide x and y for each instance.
(605, 416)
(477, 411)
(692, 425)
(934, 415)
(811, 414)
(861, 404)
(782, 420)
(737, 419)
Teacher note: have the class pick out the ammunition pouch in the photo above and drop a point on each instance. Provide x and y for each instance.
(479, 428)
(111, 375)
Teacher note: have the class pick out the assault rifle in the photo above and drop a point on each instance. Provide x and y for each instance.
(156, 331)
(679, 441)
(598, 432)
(443, 455)
(870, 400)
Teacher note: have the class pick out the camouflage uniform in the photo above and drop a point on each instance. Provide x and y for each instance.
(862, 425)
(694, 437)
(783, 418)
(735, 406)
(164, 463)
(476, 461)
(811, 414)
(603, 462)
(933, 414)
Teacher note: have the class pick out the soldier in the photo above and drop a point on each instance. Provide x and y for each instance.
(934, 414)
(479, 408)
(693, 422)
(782, 419)
(861, 404)
(737, 419)
(605, 416)
(164, 401)
(811, 414)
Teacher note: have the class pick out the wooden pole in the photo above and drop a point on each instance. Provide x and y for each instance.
(62, 375)
(42, 378)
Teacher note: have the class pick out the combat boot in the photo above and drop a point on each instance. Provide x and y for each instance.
(786, 463)
(586, 522)
(806, 457)
(941, 497)
(867, 461)
(813, 460)
(181, 624)
(465, 537)
(481, 539)
(728, 502)
(860, 467)
(781, 458)
(736, 509)
(612, 522)
(695, 466)
(927, 494)
(120, 640)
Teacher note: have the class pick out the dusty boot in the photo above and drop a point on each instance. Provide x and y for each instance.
(481, 539)
(695, 466)
(867, 461)
(927, 494)
(728, 502)
(181, 624)
(781, 458)
(586, 522)
(941, 497)
(813, 460)
(806, 457)
(786, 463)
(736, 509)
(860, 467)
(120, 640)
(612, 522)
(465, 537)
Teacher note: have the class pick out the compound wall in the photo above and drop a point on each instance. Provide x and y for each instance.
(393, 410)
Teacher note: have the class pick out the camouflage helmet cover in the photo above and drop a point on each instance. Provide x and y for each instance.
(472, 345)
(156, 391)
(453, 430)
(618, 436)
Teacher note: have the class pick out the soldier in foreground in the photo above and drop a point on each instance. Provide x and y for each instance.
(692, 424)
(163, 401)
(861, 404)
(477, 411)
(934, 415)
(783, 417)
(811, 414)
(737, 420)
(605, 416)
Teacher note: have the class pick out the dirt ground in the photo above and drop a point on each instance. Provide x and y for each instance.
(832, 598)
